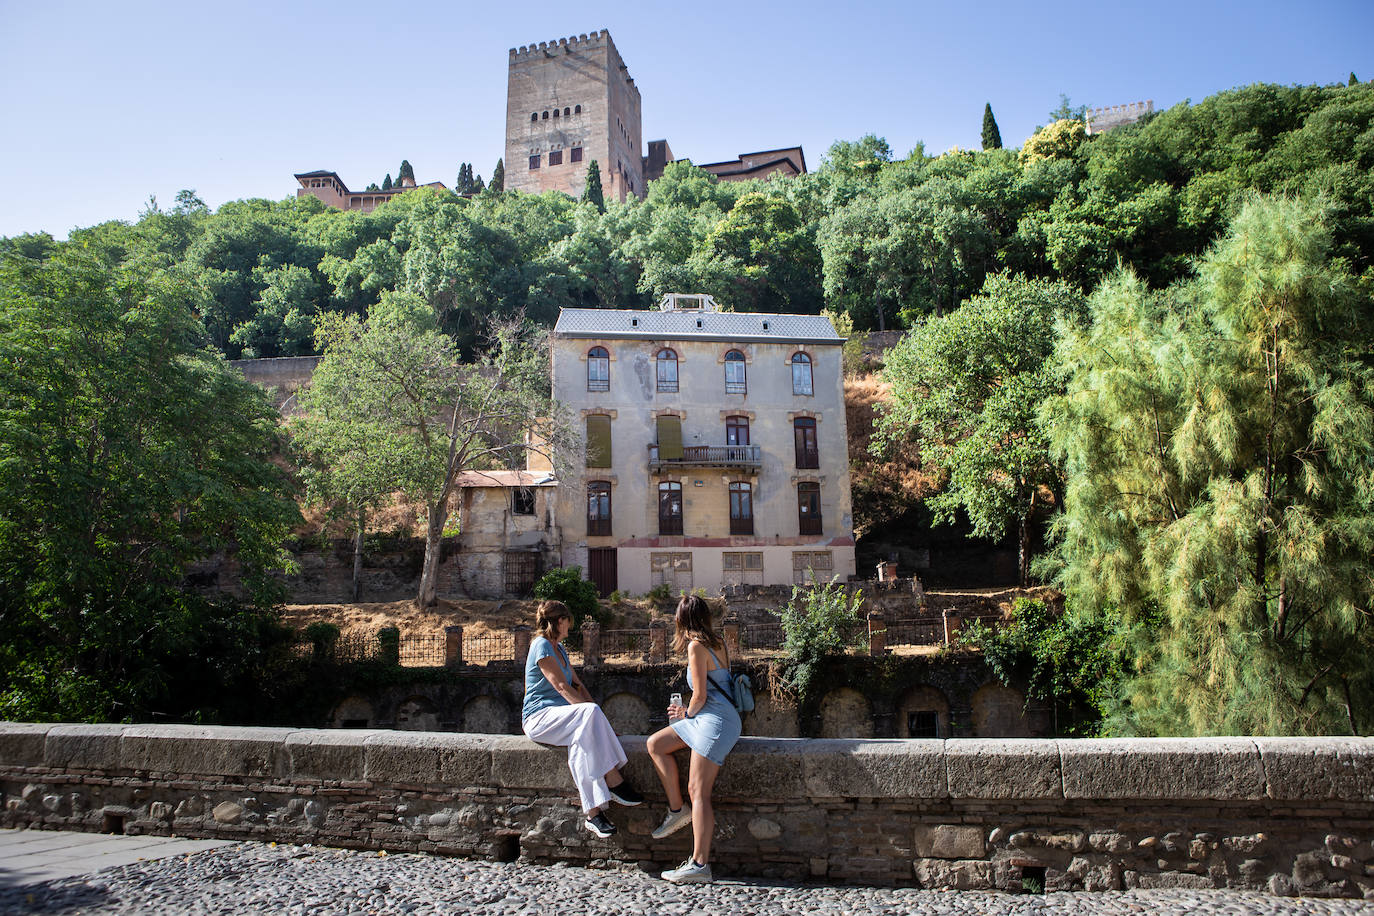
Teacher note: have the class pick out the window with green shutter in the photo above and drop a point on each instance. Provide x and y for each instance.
(598, 441)
(669, 439)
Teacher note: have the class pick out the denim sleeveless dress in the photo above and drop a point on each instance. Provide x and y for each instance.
(713, 731)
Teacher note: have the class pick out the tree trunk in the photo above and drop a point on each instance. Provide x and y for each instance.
(434, 545)
(358, 557)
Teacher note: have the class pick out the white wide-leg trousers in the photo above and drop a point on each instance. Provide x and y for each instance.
(593, 748)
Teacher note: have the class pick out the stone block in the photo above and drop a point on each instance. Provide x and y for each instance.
(854, 768)
(204, 750)
(948, 841)
(427, 758)
(84, 747)
(519, 763)
(1318, 769)
(933, 874)
(327, 754)
(1003, 768)
(766, 767)
(21, 743)
(1216, 769)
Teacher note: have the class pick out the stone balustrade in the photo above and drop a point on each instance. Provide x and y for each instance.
(1286, 815)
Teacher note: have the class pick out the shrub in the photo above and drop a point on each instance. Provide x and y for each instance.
(661, 594)
(568, 586)
(322, 637)
(1073, 663)
(819, 621)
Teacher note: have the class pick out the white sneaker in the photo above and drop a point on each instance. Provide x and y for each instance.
(674, 821)
(689, 872)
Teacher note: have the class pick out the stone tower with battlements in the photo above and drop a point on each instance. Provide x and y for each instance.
(569, 102)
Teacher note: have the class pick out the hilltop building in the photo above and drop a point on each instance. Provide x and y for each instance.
(329, 187)
(1101, 120)
(570, 102)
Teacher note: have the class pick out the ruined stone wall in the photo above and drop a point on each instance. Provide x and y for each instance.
(1285, 815)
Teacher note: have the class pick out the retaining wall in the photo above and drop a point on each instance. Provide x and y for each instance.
(1286, 815)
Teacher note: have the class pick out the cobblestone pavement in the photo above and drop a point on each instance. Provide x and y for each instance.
(255, 878)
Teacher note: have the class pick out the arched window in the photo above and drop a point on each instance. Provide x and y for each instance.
(804, 436)
(566, 112)
(599, 508)
(577, 109)
(741, 508)
(534, 116)
(667, 370)
(809, 508)
(598, 369)
(546, 116)
(735, 382)
(801, 374)
(670, 507)
(556, 112)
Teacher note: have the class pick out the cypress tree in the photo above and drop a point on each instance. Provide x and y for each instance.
(405, 172)
(386, 182)
(498, 176)
(992, 137)
(592, 192)
(1353, 79)
(478, 186)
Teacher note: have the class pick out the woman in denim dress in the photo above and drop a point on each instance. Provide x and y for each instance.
(708, 725)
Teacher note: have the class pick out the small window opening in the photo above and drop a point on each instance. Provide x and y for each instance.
(566, 112)
(765, 325)
(112, 823)
(534, 116)
(577, 109)
(923, 724)
(1033, 879)
(555, 112)
(522, 501)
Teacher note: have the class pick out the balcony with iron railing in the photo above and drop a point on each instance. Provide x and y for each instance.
(746, 457)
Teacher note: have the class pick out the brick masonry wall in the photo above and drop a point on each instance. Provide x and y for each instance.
(1286, 815)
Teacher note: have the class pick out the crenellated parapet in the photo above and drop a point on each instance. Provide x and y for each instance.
(572, 43)
(1104, 119)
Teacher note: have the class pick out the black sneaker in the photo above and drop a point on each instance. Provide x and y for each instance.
(598, 825)
(626, 795)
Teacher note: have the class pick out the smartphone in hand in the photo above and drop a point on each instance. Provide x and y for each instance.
(674, 700)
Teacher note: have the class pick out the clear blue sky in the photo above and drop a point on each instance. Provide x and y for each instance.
(107, 103)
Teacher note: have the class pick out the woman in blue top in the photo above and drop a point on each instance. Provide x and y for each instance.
(708, 725)
(558, 710)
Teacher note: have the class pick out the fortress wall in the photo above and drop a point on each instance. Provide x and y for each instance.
(1285, 815)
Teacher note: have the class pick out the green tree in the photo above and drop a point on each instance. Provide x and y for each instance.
(592, 192)
(992, 137)
(478, 185)
(1353, 80)
(567, 585)
(768, 255)
(386, 182)
(498, 176)
(405, 172)
(396, 373)
(1067, 112)
(970, 385)
(130, 455)
(1217, 440)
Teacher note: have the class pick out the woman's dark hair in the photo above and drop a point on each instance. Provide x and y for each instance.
(693, 621)
(547, 617)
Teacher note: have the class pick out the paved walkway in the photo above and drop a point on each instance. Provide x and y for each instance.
(171, 877)
(34, 856)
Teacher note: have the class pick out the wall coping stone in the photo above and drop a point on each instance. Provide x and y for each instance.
(1233, 769)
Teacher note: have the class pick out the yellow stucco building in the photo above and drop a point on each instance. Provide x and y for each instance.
(715, 447)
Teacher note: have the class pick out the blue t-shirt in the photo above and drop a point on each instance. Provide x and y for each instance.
(539, 693)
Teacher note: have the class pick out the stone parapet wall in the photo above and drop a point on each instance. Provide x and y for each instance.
(1286, 815)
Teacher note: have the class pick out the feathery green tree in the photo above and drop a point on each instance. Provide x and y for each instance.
(1217, 439)
(386, 182)
(405, 172)
(498, 176)
(992, 137)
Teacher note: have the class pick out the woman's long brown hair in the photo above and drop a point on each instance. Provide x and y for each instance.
(693, 621)
(547, 617)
